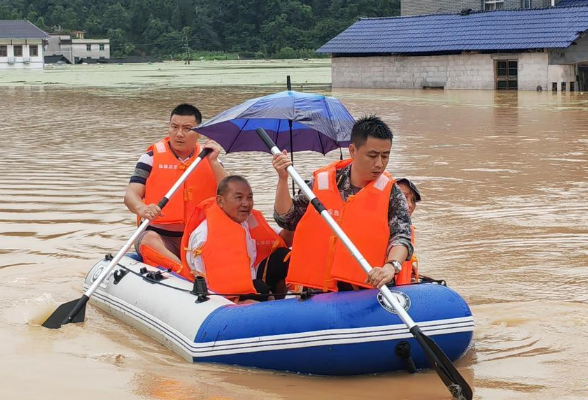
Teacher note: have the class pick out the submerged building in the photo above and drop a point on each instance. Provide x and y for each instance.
(77, 49)
(522, 49)
(21, 45)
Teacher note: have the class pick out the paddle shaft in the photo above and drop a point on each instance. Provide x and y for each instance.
(162, 203)
(292, 152)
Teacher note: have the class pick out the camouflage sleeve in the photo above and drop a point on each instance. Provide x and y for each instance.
(399, 221)
(290, 219)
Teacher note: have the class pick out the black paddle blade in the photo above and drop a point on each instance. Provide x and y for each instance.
(61, 316)
(456, 384)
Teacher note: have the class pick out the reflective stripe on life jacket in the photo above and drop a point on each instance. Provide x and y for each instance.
(225, 254)
(318, 258)
(166, 171)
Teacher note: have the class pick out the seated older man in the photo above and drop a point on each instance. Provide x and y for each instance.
(233, 246)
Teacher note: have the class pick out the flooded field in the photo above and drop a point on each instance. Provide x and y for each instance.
(175, 74)
(504, 219)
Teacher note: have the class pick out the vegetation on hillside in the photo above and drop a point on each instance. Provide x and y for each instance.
(250, 28)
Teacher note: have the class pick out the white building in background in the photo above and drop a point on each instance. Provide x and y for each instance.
(91, 48)
(76, 49)
(21, 45)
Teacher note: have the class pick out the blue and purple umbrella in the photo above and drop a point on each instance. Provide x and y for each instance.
(295, 121)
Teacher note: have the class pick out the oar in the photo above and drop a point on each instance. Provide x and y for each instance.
(75, 310)
(456, 384)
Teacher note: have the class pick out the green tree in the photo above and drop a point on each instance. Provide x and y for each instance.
(116, 17)
(289, 28)
(119, 47)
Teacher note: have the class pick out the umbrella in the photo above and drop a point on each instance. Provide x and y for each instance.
(295, 121)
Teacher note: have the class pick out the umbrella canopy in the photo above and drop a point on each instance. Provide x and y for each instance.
(295, 121)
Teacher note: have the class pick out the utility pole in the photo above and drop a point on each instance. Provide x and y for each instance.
(186, 46)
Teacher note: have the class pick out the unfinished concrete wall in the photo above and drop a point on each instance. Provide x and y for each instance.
(419, 7)
(576, 53)
(564, 62)
(460, 71)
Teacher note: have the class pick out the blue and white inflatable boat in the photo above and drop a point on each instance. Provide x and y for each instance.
(346, 333)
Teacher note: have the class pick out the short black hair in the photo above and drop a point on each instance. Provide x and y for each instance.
(223, 185)
(187, 109)
(370, 125)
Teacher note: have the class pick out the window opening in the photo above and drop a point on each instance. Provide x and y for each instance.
(507, 75)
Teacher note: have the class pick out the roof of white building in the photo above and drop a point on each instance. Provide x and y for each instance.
(20, 29)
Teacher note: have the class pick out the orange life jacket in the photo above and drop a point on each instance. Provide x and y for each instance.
(318, 258)
(225, 251)
(166, 170)
(156, 259)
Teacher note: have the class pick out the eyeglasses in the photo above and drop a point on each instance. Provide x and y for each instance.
(183, 128)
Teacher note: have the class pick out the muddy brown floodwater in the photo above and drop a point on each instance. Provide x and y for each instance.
(504, 219)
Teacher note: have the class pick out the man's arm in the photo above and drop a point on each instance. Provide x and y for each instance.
(399, 246)
(287, 211)
(195, 243)
(399, 223)
(134, 202)
(217, 168)
(136, 189)
(283, 202)
(287, 236)
(134, 197)
(398, 253)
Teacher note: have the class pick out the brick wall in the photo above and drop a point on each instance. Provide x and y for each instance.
(460, 71)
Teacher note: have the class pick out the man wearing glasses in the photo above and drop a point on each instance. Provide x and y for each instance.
(156, 172)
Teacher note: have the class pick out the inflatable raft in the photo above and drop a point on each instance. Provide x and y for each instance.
(345, 333)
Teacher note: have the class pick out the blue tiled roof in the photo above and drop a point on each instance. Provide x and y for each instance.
(479, 31)
(20, 29)
(572, 3)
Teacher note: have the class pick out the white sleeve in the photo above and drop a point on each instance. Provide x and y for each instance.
(146, 159)
(196, 241)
